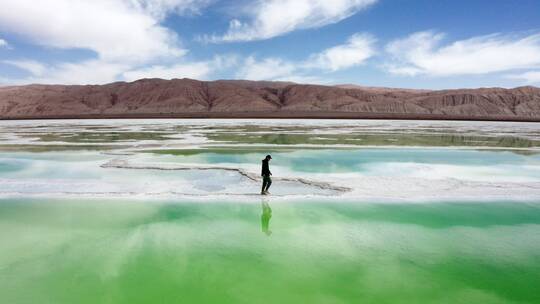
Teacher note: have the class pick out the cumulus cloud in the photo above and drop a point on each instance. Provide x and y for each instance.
(123, 34)
(32, 66)
(271, 18)
(96, 71)
(3, 43)
(275, 69)
(161, 8)
(531, 77)
(115, 29)
(93, 71)
(129, 40)
(266, 69)
(357, 49)
(196, 70)
(423, 53)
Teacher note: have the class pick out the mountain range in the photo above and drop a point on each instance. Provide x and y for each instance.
(188, 98)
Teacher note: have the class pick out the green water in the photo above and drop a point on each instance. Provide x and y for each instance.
(267, 251)
(90, 137)
(435, 212)
(395, 139)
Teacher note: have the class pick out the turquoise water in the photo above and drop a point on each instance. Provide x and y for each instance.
(353, 160)
(84, 172)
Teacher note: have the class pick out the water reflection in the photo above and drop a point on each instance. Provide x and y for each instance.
(397, 138)
(266, 216)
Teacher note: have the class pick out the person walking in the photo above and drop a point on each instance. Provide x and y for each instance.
(265, 173)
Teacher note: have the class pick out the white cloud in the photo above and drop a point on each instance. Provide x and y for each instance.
(531, 77)
(356, 51)
(124, 34)
(161, 8)
(196, 70)
(34, 67)
(267, 69)
(422, 53)
(117, 30)
(93, 71)
(304, 79)
(130, 42)
(3, 43)
(274, 69)
(271, 18)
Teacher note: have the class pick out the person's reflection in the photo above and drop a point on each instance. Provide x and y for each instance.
(266, 216)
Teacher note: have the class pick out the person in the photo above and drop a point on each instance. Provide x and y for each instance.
(265, 173)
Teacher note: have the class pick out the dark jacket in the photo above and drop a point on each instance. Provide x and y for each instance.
(265, 168)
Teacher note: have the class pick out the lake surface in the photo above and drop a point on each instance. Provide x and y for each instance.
(371, 211)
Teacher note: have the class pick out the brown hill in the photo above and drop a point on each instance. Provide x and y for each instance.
(240, 98)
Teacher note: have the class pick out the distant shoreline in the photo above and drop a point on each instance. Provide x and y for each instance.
(278, 115)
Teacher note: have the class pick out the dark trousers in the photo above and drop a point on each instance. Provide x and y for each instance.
(267, 181)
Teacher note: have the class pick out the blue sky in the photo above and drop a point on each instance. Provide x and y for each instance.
(394, 43)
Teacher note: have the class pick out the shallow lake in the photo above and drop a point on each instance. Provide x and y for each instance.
(371, 211)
